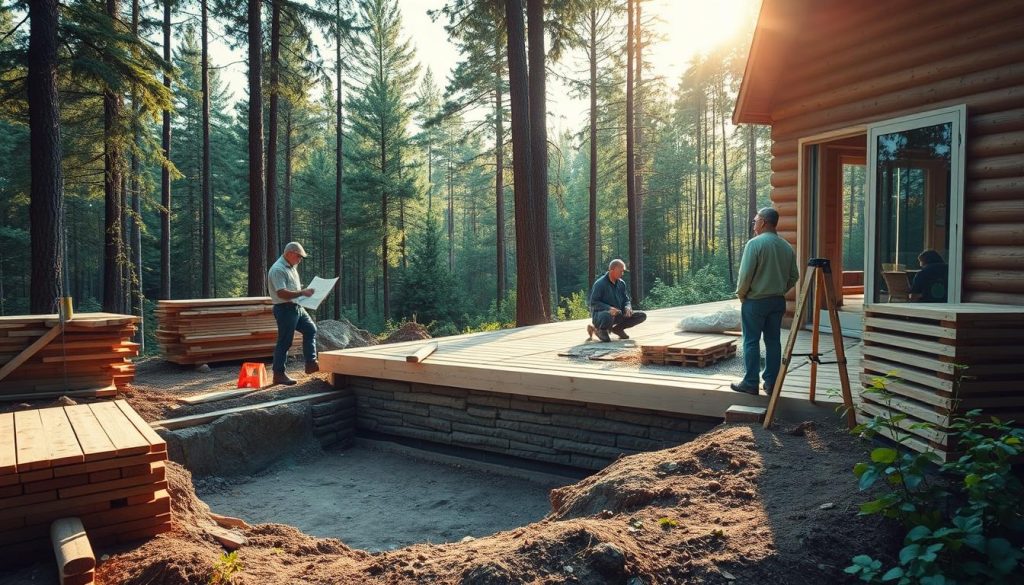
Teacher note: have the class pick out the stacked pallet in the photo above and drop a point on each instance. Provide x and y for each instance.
(88, 355)
(199, 331)
(99, 462)
(697, 351)
(943, 360)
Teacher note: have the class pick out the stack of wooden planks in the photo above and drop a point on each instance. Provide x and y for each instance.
(694, 350)
(99, 462)
(199, 331)
(88, 355)
(942, 360)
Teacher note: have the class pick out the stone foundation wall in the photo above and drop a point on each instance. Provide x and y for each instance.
(579, 434)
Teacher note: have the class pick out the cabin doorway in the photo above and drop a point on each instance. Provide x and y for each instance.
(835, 202)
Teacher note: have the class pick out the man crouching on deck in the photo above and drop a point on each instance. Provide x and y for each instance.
(610, 307)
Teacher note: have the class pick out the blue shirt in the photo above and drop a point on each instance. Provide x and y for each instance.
(606, 294)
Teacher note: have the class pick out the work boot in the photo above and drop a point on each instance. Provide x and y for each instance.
(312, 367)
(283, 378)
(618, 330)
(739, 387)
(602, 334)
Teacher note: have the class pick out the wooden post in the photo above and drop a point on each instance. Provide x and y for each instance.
(421, 354)
(71, 547)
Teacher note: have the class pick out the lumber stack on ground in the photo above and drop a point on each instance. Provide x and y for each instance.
(100, 463)
(199, 331)
(89, 355)
(939, 361)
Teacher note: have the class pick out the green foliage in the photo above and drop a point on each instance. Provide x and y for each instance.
(574, 307)
(424, 291)
(966, 530)
(228, 567)
(705, 285)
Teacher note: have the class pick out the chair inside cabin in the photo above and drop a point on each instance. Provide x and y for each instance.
(898, 285)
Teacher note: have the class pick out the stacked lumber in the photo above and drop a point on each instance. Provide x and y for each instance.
(698, 351)
(98, 462)
(199, 331)
(943, 360)
(88, 355)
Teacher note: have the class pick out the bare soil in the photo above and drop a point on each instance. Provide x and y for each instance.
(737, 505)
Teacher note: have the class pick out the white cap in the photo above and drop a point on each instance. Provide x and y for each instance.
(295, 247)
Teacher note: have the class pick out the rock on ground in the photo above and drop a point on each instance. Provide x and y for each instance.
(341, 334)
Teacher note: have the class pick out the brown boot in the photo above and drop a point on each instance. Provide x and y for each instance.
(284, 379)
(312, 367)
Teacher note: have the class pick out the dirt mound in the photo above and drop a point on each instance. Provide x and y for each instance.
(738, 504)
(409, 331)
(340, 334)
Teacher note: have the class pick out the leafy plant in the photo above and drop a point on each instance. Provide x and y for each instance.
(668, 523)
(968, 529)
(226, 569)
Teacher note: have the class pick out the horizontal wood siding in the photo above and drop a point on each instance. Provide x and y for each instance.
(859, 63)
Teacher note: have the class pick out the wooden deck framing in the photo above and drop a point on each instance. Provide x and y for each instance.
(525, 361)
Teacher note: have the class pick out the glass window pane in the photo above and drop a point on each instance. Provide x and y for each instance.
(913, 181)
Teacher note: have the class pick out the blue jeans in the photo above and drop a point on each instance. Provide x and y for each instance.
(291, 318)
(762, 317)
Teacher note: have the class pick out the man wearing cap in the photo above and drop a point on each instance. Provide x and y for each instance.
(767, 271)
(610, 307)
(285, 286)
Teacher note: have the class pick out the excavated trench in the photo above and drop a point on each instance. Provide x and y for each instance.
(268, 466)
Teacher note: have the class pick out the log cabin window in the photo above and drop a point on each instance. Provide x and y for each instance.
(915, 201)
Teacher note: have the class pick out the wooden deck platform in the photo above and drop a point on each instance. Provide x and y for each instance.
(525, 361)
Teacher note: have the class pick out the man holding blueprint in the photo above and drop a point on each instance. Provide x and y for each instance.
(289, 298)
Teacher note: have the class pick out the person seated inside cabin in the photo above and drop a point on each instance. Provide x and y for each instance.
(930, 283)
(610, 306)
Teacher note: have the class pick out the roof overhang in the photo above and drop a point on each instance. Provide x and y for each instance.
(777, 26)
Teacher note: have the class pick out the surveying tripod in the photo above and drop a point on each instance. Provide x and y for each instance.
(820, 273)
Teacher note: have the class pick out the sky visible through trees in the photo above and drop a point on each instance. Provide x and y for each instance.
(416, 200)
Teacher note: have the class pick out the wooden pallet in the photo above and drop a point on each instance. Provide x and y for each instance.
(89, 355)
(100, 462)
(197, 331)
(943, 360)
(698, 351)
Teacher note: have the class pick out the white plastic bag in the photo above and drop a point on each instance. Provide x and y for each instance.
(717, 322)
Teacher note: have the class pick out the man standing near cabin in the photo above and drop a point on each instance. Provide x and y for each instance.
(610, 307)
(285, 286)
(767, 272)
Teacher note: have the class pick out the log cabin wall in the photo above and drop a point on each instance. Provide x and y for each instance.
(856, 63)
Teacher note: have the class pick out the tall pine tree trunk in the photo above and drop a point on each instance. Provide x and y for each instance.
(207, 237)
(273, 225)
(338, 165)
(46, 209)
(592, 215)
(751, 179)
(632, 210)
(135, 233)
(165, 171)
(113, 292)
(529, 299)
(499, 179)
(638, 149)
(384, 268)
(257, 284)
(728, 204)
(539, 153)
(287, 213)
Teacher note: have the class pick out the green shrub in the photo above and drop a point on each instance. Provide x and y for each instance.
(966, 527)
(704, 285)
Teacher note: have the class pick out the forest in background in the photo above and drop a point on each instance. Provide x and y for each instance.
(404, 181)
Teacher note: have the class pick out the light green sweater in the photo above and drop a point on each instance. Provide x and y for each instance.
(768, 268)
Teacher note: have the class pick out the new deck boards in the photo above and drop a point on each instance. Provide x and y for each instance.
(525, 361)
(91, 461)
